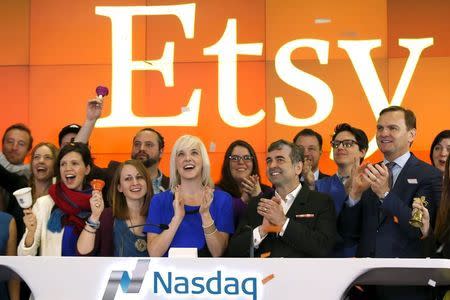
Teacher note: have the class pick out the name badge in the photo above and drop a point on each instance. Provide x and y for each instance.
(412, 181)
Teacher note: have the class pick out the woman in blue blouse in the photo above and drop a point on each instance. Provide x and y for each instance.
(197, 215)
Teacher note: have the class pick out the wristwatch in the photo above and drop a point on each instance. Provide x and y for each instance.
(384, 196)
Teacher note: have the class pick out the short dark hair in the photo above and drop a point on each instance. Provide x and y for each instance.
(226, 182)
(360, 135)
(160, 137)
(309, 132)
(22, 127)
(444, 134)
(410, 117)
(71, 128)
(297, 152)
(80, 148)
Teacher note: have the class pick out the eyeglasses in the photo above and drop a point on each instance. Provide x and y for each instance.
(345, 143)
(237, 158)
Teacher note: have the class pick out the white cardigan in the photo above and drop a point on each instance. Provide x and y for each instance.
(48, 243)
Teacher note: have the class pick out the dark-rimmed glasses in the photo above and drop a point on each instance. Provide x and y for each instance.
(345, 143)
(237, 158)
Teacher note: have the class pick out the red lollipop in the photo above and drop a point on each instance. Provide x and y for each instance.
(97, 184)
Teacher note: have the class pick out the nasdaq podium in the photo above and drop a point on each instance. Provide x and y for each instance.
(215, 278)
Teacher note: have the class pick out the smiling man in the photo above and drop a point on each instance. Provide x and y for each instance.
(16, 143)
(381, 196)
(312, 142)
(290, 222)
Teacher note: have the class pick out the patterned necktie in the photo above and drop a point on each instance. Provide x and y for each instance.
(390, 166)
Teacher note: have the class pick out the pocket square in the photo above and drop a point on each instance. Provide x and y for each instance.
(305, 216)
(412, 181)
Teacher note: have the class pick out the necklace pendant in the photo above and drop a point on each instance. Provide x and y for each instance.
(140, 245)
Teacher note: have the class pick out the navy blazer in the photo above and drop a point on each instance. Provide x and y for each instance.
(392, 235)
(312, 236)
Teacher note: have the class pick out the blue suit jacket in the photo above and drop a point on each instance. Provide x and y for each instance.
(392, 235)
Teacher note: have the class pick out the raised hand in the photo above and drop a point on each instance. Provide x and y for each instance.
(97, 205)
(94, 109)
(308, 174)
(378, 175)
(272, 211)
(251, 185)
(359, 182)
(425, 228)
(207, 198)
(30, 220)
(178, 204)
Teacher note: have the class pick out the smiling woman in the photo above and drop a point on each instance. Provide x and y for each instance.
(240, 176)
(43, 157)
(55, 221)
(120, 233)
(198, 216)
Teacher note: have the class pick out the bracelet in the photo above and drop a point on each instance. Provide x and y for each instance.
(205, 227)
(94, 225)
(211, 233)
(91, 232)
(210, 230)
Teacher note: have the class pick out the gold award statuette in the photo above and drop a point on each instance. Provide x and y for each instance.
(416, 218)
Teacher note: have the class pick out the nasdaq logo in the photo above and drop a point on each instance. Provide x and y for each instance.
(122, 279)
(219, 284)
(216, 284)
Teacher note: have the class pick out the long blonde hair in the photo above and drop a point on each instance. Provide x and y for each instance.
(189, 141)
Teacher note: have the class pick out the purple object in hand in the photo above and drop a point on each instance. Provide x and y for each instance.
(102, 91)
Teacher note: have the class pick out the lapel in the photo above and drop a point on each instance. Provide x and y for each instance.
(404, 174)
(402, 177)
(299, 201)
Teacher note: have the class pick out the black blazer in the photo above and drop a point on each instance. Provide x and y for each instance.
(303, 237)
(392, 235)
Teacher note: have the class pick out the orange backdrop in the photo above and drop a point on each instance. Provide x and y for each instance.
(54, 53)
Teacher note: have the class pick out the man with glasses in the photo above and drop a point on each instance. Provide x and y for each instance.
(291, 221)
(349, 146)
(379, 205)
(311, 141)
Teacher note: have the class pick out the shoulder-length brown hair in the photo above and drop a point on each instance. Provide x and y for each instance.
(442, 221)
(117, 199)
(54, 151)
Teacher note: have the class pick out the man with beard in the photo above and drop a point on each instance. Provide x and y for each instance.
(148, 147)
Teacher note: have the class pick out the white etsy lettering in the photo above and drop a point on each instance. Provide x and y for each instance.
(123, 65)
(227, 50)
(303, 81)
(359, 53)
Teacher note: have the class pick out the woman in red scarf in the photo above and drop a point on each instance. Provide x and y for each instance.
(56, 220)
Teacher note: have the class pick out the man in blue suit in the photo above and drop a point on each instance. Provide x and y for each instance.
(378, 210)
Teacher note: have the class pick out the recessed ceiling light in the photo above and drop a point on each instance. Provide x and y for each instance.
(322, 20)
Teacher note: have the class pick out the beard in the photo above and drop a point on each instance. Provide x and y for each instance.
(146, 160)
